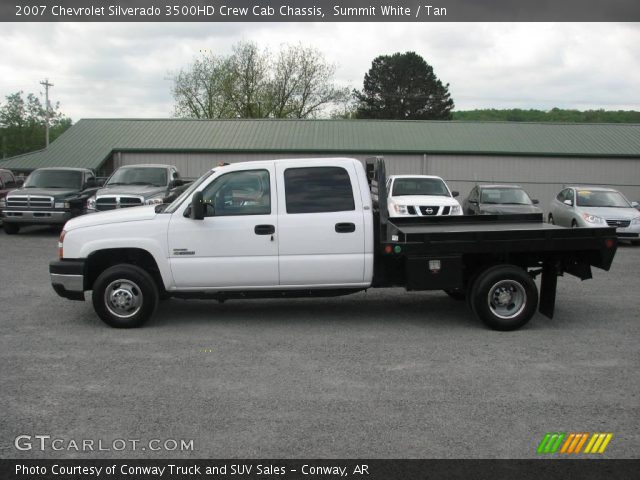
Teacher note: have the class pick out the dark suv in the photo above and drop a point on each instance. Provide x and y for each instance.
(49, 196)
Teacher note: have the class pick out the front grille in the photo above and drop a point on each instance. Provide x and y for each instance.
(130, 202)
(619, 223)
(111, 203)
(29, 201)
(429, 211)
(411, 210)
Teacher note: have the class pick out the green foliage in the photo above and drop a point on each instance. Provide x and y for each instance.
(296, 82)
(22, 124)
(403, 86)
(553, 115)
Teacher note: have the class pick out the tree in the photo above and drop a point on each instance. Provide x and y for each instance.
(22, 122)
(296, 82)
(403, 86)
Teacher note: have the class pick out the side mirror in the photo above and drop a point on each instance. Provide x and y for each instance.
(91, 182)
(19, 182)
(100, 182)
(197, 207)
(568, 202)
(176, 183)
(455, 193)
(634, 204)
(535, 201)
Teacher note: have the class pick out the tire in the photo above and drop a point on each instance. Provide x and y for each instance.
(504, 297)
(10, 228)
(456, 293)
(550, 220)
(125, 296)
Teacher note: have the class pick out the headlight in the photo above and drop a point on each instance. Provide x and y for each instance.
(635, 221)
(455, 210)
(153, 201)
(91, 203)
(3, 202)
(61, 205)
(401, 209)
(592, 218)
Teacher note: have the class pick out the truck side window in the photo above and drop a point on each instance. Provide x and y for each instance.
(245, 192)
(318, 189)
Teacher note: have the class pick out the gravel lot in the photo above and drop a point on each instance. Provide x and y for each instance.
(379, 374)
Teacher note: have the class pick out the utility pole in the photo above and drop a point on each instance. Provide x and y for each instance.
(46, 86)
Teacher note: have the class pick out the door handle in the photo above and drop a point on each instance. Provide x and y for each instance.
(264, 230)
(345, 227)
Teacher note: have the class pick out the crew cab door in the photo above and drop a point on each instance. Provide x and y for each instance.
(236, 244)
(321, 224)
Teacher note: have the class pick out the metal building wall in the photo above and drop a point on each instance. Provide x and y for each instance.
(542, 177)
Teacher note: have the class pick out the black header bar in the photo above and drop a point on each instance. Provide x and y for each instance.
(535, 469)
(320, 11)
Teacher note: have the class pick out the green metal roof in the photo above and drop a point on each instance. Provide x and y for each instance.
(90, 142)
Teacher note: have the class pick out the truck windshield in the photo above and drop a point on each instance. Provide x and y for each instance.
(510, 196)
(54, 179)
(601, 198)
(419, 186)
(139, 176)
(173, 206)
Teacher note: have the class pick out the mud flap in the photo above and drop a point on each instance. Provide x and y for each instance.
(548, 289)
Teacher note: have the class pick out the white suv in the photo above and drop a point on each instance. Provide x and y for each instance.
(420, 195)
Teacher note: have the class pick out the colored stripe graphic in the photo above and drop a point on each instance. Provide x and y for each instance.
(598, 443)
(551, 442)
(572, 443)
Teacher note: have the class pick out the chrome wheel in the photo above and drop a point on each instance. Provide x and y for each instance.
(507, 299)
(123, 298)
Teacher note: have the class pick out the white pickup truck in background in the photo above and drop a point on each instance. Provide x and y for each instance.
(313, 227)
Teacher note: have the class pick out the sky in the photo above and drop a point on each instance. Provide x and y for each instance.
(124, 70)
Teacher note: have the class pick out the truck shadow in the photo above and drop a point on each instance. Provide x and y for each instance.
(434, 309)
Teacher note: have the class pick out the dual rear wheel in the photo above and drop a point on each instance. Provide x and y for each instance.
(504, 297)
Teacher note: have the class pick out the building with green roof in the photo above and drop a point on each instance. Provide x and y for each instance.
(539, 156)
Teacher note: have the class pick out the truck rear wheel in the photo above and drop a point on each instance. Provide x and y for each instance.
(10, 228)
(504, 297)
(125, 296)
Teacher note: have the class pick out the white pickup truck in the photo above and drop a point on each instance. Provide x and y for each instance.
(313, 227)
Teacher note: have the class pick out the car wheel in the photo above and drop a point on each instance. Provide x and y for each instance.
(504, 297)
(10, 228)
(124, 296)
(550, 220)
(456, 293)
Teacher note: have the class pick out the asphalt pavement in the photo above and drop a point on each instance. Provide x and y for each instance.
(379, 374)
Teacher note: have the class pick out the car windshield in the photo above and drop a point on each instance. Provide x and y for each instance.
(419, 186)
(139, 176)
(54, 179)
(173, 206)
(508, 196)
(601, 198)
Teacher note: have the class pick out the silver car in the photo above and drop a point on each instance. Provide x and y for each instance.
(578, 206)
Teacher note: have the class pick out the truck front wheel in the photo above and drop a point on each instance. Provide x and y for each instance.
(124, 296)
(10, 228)
(505, 297)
